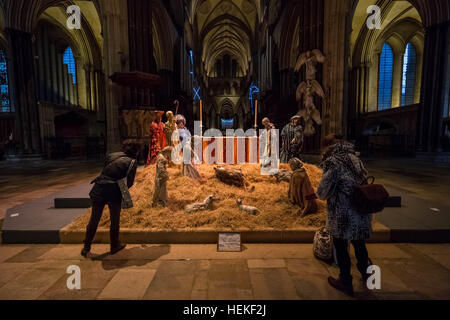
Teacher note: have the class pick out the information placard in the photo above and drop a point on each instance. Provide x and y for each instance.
(229, 242)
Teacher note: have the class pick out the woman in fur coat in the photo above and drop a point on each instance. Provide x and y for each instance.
(342, 171)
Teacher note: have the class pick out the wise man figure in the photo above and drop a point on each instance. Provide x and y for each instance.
(157, 138)
(301, 191)
(160, 195)
(169, 128)
(291, 137)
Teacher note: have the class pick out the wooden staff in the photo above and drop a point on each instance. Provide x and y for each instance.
(177, 103)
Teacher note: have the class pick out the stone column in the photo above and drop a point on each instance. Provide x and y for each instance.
(434, 88)
(53, 63)
(59, 59)
(334, 111)
(24, 95)
(115, 34)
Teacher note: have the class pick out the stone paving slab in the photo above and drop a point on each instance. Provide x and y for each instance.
(128, 284)
(30, 284)
(272, 284)
(173, 280)
(7, 252)
(266, 263)
(229, 280)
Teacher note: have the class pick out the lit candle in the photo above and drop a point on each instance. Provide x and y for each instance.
(256, 113)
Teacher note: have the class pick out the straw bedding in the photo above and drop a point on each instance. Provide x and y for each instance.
(270, 197)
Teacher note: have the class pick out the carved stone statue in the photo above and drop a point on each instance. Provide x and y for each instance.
(310, 58)
(309, 88)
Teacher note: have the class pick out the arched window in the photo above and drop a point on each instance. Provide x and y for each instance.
(4, 85)
(409, 75)
(69, 60)
(385, 78)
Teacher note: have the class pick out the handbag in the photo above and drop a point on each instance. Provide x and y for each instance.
(127, 202)
(368, 198)
(323, 245)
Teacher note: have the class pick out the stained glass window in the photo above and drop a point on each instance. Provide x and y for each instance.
(409, 75)
(385, 78)
(69, 60)
(227, 124)
(4, 85)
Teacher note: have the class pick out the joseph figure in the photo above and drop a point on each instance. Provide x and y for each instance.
(291, 140)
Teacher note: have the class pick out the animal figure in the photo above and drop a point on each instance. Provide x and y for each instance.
(200, 206)
(283, 175)
(247, 209)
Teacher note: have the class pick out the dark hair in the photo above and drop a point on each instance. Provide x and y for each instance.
(131, 149)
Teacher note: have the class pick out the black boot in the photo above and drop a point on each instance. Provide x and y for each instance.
(85, 251)
(363, 270)
(344, 286)
(117, 248)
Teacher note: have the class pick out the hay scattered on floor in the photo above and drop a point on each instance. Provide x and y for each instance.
(270, 197)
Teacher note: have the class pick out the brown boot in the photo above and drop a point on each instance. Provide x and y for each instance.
(340, 285)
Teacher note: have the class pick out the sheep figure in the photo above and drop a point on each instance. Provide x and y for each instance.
(200, 206)
(247, 209)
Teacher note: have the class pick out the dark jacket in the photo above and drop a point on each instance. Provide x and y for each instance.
(116, 168)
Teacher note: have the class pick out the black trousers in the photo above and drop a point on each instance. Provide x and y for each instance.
(343, 258)
(98, 205)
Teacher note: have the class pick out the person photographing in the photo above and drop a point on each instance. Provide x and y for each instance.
(111, 189)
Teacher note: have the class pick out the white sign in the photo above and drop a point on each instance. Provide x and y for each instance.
(229, 242)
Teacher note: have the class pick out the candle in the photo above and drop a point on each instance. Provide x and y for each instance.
(256, 113)
(201, 113)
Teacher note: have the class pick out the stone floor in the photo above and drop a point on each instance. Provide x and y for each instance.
(408, 271)
(24, 181)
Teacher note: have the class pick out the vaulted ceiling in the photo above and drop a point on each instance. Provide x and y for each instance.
(224, 27)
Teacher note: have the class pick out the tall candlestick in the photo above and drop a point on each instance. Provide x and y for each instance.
(256, 113)
(201, 113)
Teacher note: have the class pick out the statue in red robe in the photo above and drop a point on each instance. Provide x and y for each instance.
(157, 139)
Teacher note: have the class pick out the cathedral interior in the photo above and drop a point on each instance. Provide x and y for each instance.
(80, 92)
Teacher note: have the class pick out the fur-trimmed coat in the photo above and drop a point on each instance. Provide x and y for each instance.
(342, 171)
